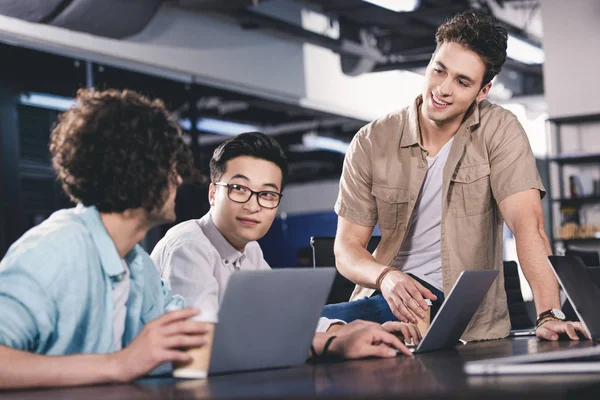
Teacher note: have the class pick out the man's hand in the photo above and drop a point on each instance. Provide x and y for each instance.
(403, 293)
(551, 329)
(410, 333)
(370, 340)
(161, 340)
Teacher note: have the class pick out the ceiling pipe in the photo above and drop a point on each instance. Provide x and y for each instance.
(299, 34)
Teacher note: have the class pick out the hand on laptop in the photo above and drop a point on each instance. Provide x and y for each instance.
(409, 333)
(551, 330)
(403, 293)
(161, 340)
(361, 339)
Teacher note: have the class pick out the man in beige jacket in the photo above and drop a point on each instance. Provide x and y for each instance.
(440, 177)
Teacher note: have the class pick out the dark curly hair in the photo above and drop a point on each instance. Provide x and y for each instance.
(253, 144)
(118, 150)
(479, 33)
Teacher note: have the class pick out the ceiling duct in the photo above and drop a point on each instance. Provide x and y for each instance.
(109, 18)
(32, 10)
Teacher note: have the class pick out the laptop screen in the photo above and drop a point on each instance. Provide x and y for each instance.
(582, 291)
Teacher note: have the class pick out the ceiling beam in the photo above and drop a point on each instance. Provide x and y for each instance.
(297, 33)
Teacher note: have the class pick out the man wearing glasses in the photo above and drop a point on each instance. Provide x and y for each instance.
(198, 257)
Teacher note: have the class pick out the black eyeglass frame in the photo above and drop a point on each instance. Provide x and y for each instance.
(231, 186)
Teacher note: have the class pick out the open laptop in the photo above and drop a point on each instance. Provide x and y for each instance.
(267, 319)
(457, 310)
(583, 293)
(567, 307)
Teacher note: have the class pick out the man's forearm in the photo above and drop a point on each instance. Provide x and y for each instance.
(533, 249)
(20, 369)
(357, 264)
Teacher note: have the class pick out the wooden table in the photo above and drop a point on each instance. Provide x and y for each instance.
(426, 376)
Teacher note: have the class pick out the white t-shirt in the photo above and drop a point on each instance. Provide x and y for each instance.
(421, 251)
(120, 295)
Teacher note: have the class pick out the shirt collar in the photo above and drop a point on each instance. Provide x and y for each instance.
(412, 136)
(228, 253)
(109, 257)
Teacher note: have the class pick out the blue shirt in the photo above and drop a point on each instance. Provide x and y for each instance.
(56, 287)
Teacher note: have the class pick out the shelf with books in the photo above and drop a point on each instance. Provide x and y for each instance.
(574, 170)
(574, 231)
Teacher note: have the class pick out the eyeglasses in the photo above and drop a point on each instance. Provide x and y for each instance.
(243, 194)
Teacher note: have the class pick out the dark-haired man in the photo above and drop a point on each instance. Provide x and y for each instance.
(197, 257)
(81, 302)
(439, 177)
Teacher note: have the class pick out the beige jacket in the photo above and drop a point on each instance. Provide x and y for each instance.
(490, 159)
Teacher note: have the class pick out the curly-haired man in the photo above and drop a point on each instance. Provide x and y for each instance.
(439, 177)
(77, 287)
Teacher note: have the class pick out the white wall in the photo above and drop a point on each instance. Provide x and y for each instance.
(571, 46)
(366, 96)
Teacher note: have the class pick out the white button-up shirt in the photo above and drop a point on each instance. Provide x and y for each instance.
(197, 261)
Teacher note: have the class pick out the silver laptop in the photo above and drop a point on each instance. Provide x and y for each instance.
(267, 319)
(584, 295)
(457, 310)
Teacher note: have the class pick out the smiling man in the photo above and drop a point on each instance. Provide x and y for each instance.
(440, 177)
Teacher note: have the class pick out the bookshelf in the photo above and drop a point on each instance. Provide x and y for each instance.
(572, 222)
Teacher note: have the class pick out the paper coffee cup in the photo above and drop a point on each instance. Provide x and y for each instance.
(197, 368)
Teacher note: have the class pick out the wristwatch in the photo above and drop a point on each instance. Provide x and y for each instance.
(553, 313)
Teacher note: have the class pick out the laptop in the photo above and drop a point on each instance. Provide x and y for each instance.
(567, 307)
(267, 319)
(583, 293)
(457, 310)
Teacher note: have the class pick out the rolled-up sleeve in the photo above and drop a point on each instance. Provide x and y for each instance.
(355, 202)
(512, 163)
(27, 313)
(189, 272)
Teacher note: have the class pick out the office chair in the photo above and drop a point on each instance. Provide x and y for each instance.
(323, 256)
(517, 311)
